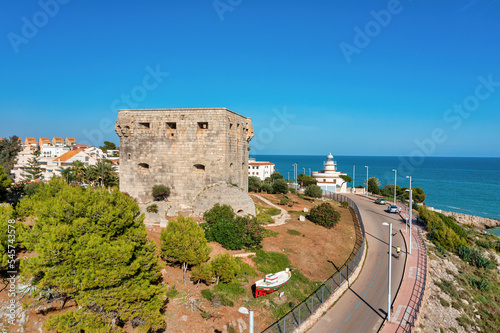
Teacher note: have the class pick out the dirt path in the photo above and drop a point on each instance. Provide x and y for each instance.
(279, 219)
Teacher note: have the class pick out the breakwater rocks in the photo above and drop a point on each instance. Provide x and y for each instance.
(478, 222)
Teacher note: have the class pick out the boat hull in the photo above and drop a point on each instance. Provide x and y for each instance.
(271, 283)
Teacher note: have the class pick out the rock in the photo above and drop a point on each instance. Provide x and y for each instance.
(184, 318)
(302, 218)
(306, 210)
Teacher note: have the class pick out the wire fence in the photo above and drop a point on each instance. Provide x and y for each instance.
(293, 319)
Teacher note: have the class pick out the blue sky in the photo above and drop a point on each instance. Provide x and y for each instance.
(351, 77)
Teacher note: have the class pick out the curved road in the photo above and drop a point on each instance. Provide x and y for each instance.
(363, 307)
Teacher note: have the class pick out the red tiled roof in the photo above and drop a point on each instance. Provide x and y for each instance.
(260, 163)
(66, 156)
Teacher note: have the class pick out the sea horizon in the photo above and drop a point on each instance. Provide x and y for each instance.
(466, 185)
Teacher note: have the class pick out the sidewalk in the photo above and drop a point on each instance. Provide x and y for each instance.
(408, 301)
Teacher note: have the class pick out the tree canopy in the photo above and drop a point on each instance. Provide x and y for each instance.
(184, 242)
(4, 184)
(313, 191)
(91, 246)
(9, 148)
(108, 145)
(306, 180)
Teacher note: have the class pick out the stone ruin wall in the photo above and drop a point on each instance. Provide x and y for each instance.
(184, 149)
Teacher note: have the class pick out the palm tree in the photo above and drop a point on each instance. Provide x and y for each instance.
(107, 173)
(91, 174)
(78, 170)
(67, 174)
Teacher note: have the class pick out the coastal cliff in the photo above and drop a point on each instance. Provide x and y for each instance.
(478, 222)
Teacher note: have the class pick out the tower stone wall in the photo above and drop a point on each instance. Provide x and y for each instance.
(185, 149)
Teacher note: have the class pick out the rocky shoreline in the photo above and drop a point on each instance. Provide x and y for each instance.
(479, 222)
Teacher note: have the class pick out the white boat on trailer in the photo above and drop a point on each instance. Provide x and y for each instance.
(272, 282)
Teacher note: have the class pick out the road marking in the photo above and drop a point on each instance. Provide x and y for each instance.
(336, 331)
(375, 275)
(371, 283)
(365, 293)
(411, 273)
(358, 305)
(377, 268)
(379, 261)
(347, 318)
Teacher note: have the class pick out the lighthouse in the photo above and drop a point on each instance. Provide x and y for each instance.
(329, 178)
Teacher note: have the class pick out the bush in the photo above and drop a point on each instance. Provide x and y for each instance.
(306, 180)
(218, 212)
(266, 188)
(231, 231)
(160, 192)
(344, 204)
(292, 190)
(313, 191)
(324, 215)
(31, 188)
(152, 208)
(284, 201)
(280, 186)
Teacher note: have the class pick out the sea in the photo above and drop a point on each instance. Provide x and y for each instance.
(468, 185)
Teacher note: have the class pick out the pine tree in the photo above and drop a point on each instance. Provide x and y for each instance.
(4, 183)
(184, 241)
(9, 148)
(91, 246)
(33, 170)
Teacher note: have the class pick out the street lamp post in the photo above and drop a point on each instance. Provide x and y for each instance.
(244, 310)
(395, 178)
(295, 175)
(366, 180)
(390, 255)
(304, 170)
(410, 204)
(310, 172)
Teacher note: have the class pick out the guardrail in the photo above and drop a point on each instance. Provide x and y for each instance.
(293, 319)
(410, 323)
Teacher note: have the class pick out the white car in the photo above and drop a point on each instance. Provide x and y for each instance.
(393, 209)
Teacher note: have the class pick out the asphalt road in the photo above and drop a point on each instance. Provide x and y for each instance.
(363, 307)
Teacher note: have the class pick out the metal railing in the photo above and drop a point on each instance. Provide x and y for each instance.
(412, 317)
(293, 319)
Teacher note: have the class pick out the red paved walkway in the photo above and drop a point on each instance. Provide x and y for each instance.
(408, 300)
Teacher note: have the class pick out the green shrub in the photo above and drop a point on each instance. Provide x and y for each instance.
(231, 231)
(31, 188)
(324, 215)
(444, 302)
(208, 294)
(344, 204)
(266, 188)
(228, 234)
(280, 186)
(284, 201)
(448, 287)
(294, 232)
(172, 292)
(219, 212)
(313, 191)
(479, 283)
(152, 208)
(160, 192)
(474, 257)
(292, 190)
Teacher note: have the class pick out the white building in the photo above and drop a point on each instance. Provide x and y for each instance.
(260, 169)
(329, 178)
(53, 151)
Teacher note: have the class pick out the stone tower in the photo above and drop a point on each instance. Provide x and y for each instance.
(195, 152)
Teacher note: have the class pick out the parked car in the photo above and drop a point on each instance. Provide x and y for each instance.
(393, 209)
(380, 201)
